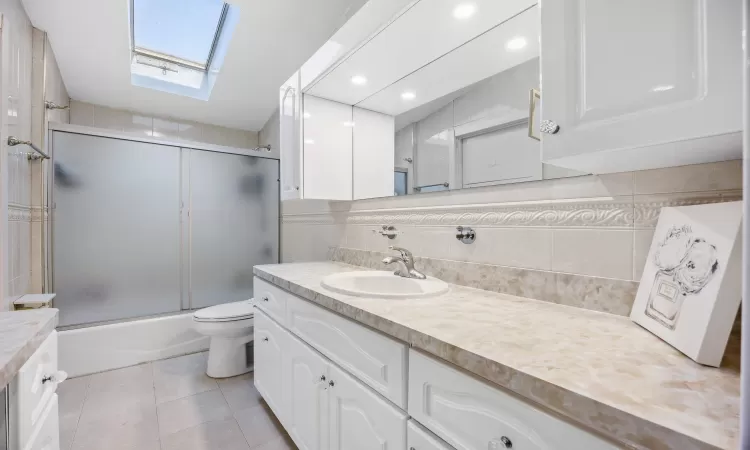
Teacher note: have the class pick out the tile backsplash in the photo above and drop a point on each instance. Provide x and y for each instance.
(91, 115)
(595, 225)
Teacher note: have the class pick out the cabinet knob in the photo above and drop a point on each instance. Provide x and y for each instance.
(322, 378)
(265, 339)
(57, 377)
(265, 298)
(331, 383)
(506, 442)
(549, 127)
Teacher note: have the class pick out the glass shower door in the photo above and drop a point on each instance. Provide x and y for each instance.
(116, 228)
(234, 224)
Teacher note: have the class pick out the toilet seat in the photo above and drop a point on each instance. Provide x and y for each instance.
(226, 312)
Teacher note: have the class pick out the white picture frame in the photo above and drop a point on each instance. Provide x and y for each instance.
(691, 286)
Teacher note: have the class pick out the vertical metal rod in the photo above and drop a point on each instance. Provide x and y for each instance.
(745, 345)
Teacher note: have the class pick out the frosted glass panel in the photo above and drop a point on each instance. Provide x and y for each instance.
(234, 213)
(116, 228)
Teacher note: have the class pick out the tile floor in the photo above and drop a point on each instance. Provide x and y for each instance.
(166, 405)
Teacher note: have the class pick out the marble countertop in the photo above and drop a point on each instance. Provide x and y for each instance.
(598, 369)
(21, 333)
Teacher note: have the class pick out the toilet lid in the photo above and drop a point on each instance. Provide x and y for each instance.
(225, 312)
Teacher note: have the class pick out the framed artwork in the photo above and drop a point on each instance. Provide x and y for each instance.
(690, 290)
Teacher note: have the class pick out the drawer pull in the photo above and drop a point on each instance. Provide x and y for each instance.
(265, 339)
(57, 377)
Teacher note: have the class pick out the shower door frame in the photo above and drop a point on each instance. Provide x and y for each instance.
(184, 148)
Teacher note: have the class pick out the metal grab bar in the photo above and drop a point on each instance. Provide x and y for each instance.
(12, 141)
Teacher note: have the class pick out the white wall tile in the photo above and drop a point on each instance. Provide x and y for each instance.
(641, 245)
(529, 248)
(600, 253)
(81, 113)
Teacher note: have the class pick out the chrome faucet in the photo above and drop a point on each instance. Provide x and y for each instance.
(405, 264)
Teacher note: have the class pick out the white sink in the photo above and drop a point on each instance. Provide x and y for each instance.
(383, 285)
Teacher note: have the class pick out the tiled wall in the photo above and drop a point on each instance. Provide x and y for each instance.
(90, 115)
(18, 107)
(599, 226)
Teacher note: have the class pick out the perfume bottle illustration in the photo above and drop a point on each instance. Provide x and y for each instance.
(686, 265)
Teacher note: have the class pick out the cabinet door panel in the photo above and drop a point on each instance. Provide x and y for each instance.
(270, 345)
(621, 75)
(420, 439)
(469, 414)
(305, 385)
(359, 419)
(378, 360)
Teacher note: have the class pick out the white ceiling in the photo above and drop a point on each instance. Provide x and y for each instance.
(91, 41)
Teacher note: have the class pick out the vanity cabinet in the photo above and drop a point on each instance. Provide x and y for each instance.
(270, 348)
(641, 84)
(469, 414)
(323, 406)
(338, 385)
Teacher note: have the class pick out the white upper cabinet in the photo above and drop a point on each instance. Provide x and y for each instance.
(641, 84)
(327, 149)
(290, 134)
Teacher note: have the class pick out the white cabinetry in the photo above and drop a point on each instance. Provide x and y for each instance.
(323, 406)
(417, 438)
(290, 138)
(641, 84)
(34, 422)
(377, 360)
(270, 347)
(360, 419)
(306, 382)
(470, 415)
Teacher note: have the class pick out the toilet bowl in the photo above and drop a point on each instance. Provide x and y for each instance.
(230, 327)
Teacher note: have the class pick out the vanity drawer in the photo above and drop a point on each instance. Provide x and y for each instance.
(271, 299)
(33, 389)
(377, 360)
(470, 414)
(417, 438)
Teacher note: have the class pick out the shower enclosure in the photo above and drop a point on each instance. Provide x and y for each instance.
(140, 228)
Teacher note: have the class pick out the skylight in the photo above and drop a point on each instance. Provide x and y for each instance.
(178, 46)
(185, 30)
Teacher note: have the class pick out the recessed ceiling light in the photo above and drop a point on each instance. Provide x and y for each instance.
(359, 80)
(408, 95)
(309, 141)
(517, 43)
(464, 11)
(306, 115)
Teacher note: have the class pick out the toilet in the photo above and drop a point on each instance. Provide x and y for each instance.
(230, 327)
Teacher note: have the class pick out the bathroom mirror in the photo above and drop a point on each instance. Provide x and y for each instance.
(465, 118)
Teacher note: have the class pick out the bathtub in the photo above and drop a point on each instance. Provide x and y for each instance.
(83, 351)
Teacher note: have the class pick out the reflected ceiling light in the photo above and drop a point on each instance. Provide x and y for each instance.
(517, 43)
(359, 80)
(348, 124)
(662, 88)
(464, 11)
(306, 115)
(408, 95)
(309, 141)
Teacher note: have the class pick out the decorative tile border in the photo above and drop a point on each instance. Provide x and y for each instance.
(622, 212)
(593, 293)
(19, 213)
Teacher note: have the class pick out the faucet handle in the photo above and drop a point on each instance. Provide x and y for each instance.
(404, 252)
